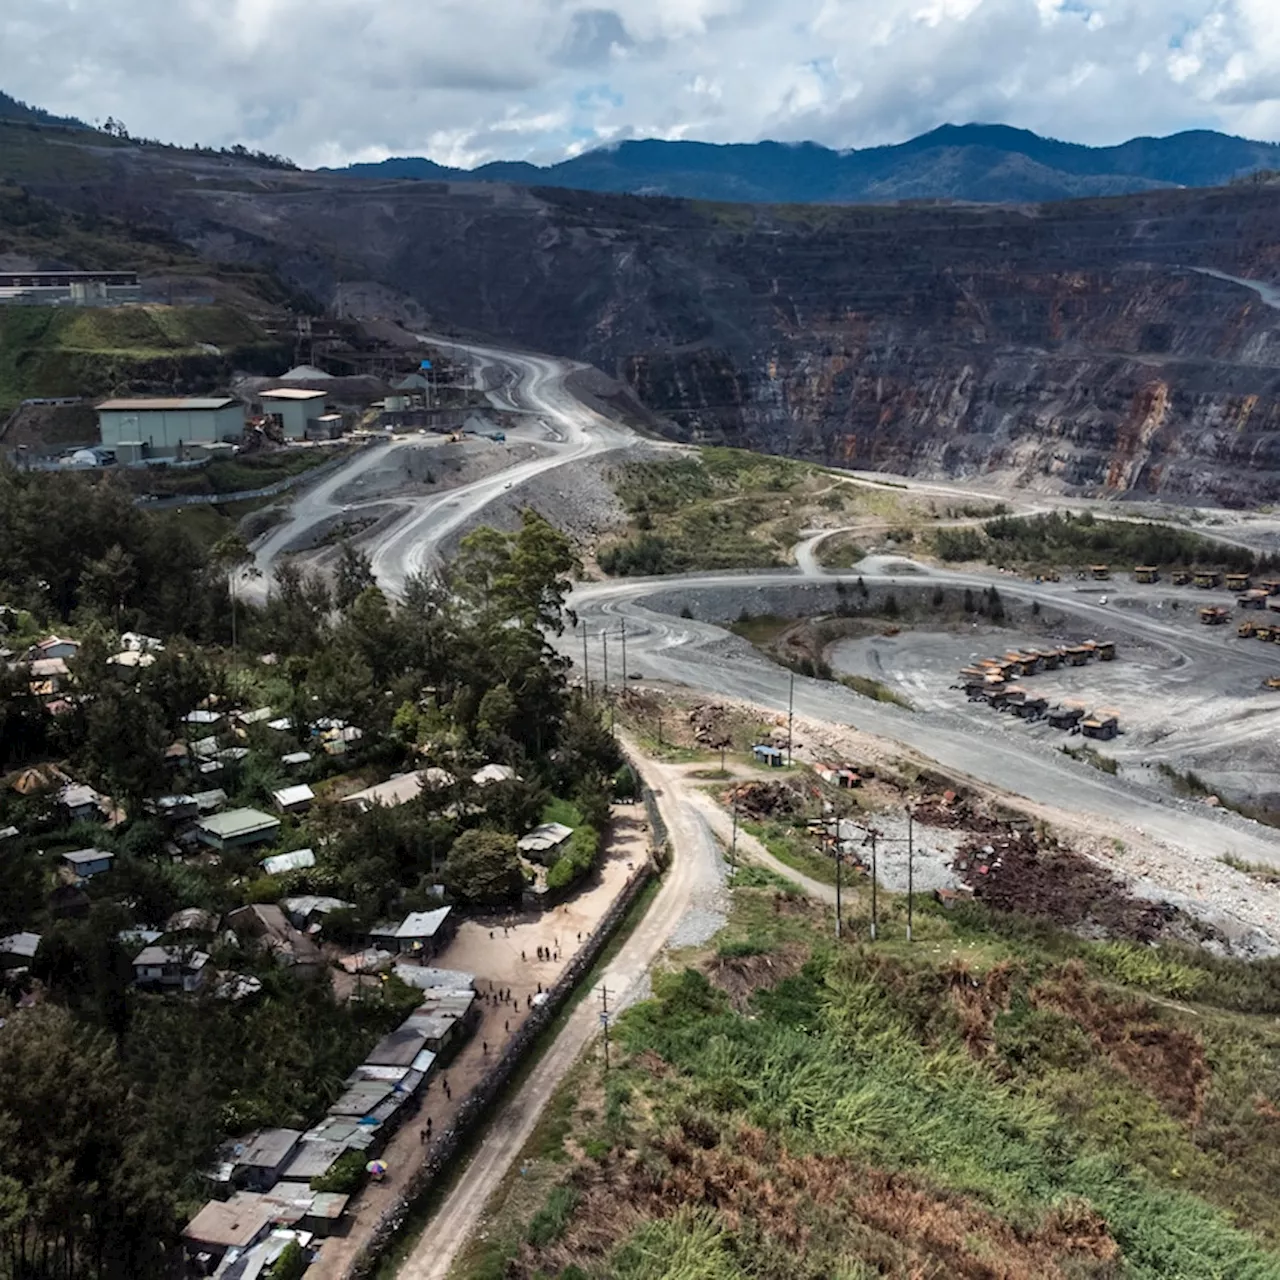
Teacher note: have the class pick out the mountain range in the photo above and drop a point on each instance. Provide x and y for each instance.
(973, 162)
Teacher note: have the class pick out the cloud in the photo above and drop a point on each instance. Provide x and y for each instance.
(470, 80)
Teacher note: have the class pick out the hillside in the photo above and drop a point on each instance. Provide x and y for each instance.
(982, 163)
(1072, 345)
(12, 109)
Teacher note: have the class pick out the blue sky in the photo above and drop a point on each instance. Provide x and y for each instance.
(465, 81)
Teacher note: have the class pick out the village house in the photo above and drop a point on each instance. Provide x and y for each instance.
(544, 842)
(87, 863)
(18, 950)
(237, 828)
(296, 860)
(170, 968)
(238, 1223)
(294, 799)
(265, 923)
(80, 802)
(422, 933)
(56, 647)
(307, 911)
(259, 1161)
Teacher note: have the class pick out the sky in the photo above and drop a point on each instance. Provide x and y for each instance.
(327, 82)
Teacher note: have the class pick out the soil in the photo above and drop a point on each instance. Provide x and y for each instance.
(1012, 873)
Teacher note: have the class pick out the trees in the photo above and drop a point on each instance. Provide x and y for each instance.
(483, 867)
(353, 575)
(231, 555)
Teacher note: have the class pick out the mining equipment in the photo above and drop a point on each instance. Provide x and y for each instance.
(1146, 573)
(1207, 578)
(1213, 615)
(1246, 629)
(1256, 598)
(1265, 634)
(1066, 716)
(1271, 682)
(1102, 724)
(1237, 582)
(1182, 578)
(1107, 651)
(1101, 572)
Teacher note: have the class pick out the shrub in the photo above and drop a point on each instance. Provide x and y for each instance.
(346, 1175)
(548, 1224)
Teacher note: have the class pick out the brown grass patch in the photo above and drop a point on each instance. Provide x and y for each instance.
(807, 1207)
(1168, 1062)
(740, 977)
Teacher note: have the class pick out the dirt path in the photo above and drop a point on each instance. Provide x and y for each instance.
(502, 953)
(695, 871)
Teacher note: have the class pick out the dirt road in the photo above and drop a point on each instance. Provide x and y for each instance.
(692, 885)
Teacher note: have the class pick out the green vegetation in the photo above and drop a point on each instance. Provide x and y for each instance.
(1001, 1099)
(723, 509)
(1059, 539)
(249, 471)
(877, 689)
(1087, 755)
(1262, 871)
(461, 673)
(92, 351)
(792, 848)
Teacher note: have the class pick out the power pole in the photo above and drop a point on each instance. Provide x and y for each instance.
(586, 678)
(839, 905)
(733, 847)
(604, 641)
(874, 915)
(791, 706)
(911, 849)
(604, 1022)
(622, 623)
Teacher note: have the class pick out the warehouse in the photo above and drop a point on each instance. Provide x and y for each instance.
(294, 410)
(159, 427)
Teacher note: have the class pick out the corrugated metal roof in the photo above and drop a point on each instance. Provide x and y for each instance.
(237, 822)
(291, 393)
(158, 404)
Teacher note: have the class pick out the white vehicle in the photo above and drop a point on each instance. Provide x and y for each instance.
(1102, 599)
(507, 485)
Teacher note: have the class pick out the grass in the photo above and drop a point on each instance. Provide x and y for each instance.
(876, 689)
(893, 1111)
(1087, 755)
(1260, 871)
(792, 849)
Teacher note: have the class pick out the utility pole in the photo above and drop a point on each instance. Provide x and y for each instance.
(839, 904)
(733, 847)
(622, 623)
(791, 707)
(604, 1022)
(604, 642)
(874, 914)
(911, 850)
(586, 678)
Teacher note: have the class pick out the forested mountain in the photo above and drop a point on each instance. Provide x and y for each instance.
(975, 162)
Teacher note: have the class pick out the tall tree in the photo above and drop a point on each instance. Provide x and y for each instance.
(353, 575)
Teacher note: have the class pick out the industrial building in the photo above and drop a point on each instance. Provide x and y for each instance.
(295, 411)
(78, 288)
(160, 427)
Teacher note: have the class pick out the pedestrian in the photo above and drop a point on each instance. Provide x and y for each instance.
(506, 1026)
(528, 1001)
(522, 958)
(428, 1126)
(490, 935)
(422, 1135)
(485, 1047)
(539, 988)
(579, 935)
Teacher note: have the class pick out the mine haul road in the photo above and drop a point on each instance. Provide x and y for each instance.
(708, 659)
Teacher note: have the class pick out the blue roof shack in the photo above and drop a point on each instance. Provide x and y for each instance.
(774, 757)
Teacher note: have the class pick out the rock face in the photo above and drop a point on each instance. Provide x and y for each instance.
(1072, 346)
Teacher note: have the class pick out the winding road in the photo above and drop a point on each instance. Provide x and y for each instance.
(704, 657)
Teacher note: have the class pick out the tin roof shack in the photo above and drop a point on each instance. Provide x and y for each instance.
(545, 842)
(80, 803)
(400, 789)
(1238, 582)
(170, 968)
(445, 1018)
(84, 864)
(422, 933)
(294, 799)
(297, 860)
(1214, 615)
(18, 950)
(238, 1223)
(1146, 573)
(265, 924)
(260, 1160)
(1207, 578)
(1103, 725)
(237, 828)
(774, 757)
(307, 911)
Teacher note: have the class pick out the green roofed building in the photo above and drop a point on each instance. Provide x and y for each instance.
(237, 828)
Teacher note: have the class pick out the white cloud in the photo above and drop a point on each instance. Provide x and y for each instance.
(469, 80)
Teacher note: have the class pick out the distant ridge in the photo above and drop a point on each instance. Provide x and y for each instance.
(12, 109)
(987, 163)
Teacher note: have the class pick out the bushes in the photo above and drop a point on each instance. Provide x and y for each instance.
(548, 1224)
(578, 858)
(346, 1176)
